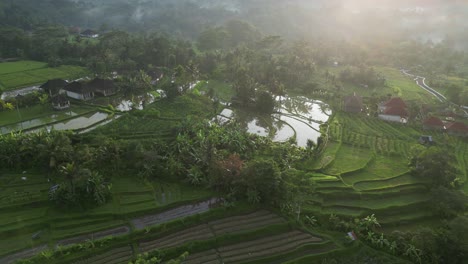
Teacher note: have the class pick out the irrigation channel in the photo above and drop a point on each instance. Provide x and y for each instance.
(296, 117)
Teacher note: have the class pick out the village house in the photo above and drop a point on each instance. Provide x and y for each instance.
(393, 110)
(89, 34)
(60, 102)
(352, 104)
(103, 87)
(156, 75)
(457, 129)
(79, 91)
(426, 140)
(433, 123)
(54, 87)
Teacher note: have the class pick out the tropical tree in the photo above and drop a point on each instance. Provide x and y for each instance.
(71, 173)
(413, 253)
(296, 188)
(435, 165)
(369, 222)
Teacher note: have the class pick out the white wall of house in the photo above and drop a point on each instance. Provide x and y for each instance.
(392, 118)
(75, 95)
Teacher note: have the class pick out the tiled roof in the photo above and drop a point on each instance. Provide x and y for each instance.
(396, 111)
(433, 121)
(457, 126)
(395, 102)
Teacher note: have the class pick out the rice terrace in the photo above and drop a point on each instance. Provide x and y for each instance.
(233, 132)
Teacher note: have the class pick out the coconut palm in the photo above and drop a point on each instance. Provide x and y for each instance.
(70, 172)
(412, 252)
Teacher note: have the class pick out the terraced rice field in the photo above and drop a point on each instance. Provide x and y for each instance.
(25, 211)
(349, 159)
(27, 73)
(205, 257)
(272, 249)
(270, 245)
(23, 254)
(171, 114)
(283, 243)
(241, 223)
(265, 247)
(121, 255)
(212, 229)
(179, 212)
(95, 236)
(369, 158)
(201, 232)
(401, 180)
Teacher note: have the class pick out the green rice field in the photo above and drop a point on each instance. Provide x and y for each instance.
(27, 73)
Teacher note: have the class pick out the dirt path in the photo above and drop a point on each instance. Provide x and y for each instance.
(23, 254)
(179, 212)
(139, 223)
(118, 231)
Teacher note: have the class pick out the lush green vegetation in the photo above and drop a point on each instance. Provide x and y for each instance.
(169, 179)
(130, 197)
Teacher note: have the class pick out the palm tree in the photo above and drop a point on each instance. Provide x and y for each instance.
(311, 220)
(369, 222)
(97, 188)
(413, 253)
(370, 236)
(70, 171)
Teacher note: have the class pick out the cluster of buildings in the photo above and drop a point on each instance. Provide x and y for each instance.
(396, 110)
(60, 91)
(451, 127)
(393, 110)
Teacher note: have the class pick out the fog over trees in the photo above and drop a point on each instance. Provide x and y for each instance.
(433, 21)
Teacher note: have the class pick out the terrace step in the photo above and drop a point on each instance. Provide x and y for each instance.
(210, 256)
(201, 232)
(245, 222)
(118, 255)
(94, 236)
(22, 254)
(266, 246)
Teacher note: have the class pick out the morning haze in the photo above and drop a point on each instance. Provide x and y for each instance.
(233, 131)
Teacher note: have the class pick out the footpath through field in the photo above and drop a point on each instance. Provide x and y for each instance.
(281, 243)
(139, 223)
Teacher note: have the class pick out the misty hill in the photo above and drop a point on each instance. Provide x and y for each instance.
(352, 20)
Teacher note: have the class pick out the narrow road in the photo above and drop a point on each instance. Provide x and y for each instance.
(420, 81)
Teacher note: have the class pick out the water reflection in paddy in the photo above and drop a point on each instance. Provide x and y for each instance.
(296, 116)
(80, 122)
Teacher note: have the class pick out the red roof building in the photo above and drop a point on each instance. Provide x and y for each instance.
(433, 123)
(352, 104)
(457, 129)
(395, 102)
(394, 110)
